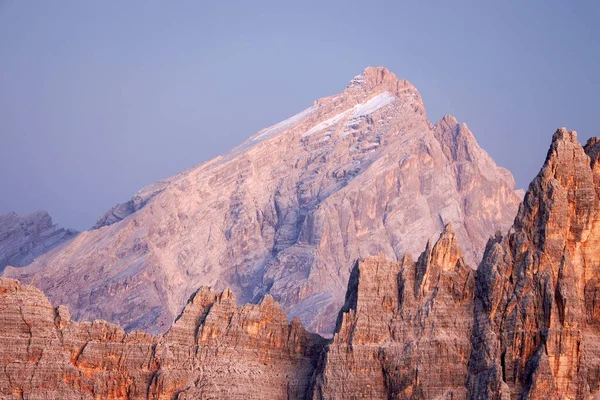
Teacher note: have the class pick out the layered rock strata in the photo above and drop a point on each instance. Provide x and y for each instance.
(525, 325)
(404, 331)
(537, 306)
(214, 350)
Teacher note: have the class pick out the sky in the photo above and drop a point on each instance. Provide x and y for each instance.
(99, 98)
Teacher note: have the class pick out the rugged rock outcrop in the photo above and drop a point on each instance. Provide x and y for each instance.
(287, 213)
(524, 325)
(215, 350)
(404, 331)
(25, 237)
(536, 331)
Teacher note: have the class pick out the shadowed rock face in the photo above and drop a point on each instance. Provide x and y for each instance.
(287, 213)
(25, 237)
(214, 350)
(404, 330)
(537, 310)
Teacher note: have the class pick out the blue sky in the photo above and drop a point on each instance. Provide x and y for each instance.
(99, 98)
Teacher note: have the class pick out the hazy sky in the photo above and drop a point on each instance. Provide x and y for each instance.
(100, 98)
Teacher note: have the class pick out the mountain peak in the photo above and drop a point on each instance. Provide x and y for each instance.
(565, 148)
(372, 77)
(447, 251)
(358, 173)
(562, 195)
(564, 135)
(376, 80)
(548, 262)
(449, 120)
(592, 149)
(457, 140)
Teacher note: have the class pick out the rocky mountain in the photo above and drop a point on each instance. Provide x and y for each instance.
(537, 305)
(287, 213)
(524, 325)
(397, 319)
(25, 237)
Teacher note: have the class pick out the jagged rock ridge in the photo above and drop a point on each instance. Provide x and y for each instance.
(25, 237)
(397, 320)
(524, 325)
(404, 329)
(287, 213)
(214, 350)
(537, 327)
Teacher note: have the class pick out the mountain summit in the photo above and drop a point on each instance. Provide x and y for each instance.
(287, 213)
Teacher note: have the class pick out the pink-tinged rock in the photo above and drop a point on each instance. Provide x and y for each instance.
(214, 350)
(405, 329)
(287, 213)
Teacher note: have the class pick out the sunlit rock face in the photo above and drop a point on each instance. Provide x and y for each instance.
(524, 325)
(287, 213)
(215, 350)
(404, 331)
(537, 326)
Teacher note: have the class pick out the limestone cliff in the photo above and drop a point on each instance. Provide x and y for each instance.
(215, 350)
(524, 325)
(403, 333)
(537, 326)
(404, 329)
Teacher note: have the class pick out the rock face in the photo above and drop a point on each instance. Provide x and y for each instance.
(537, 328)
(25, 237)
(287, 213)
(404, 331)
(524, 325)
(214, 350)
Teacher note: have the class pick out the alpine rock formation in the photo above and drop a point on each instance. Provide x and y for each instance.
(404, 331)
(25, 237)
(287, 213)
(536, 331)
(524, 325)
(215, 350)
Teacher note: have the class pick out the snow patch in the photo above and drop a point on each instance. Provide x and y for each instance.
(265, 134)
(369, 107)
(357, 112)
(356, 81)
(326, 124)
(283, 125)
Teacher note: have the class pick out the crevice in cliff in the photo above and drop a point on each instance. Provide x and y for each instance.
(75, 357)
(503, 365)
(351, 299)
(29, 331)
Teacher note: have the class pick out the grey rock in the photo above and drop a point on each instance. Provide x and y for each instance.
(25, 237)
